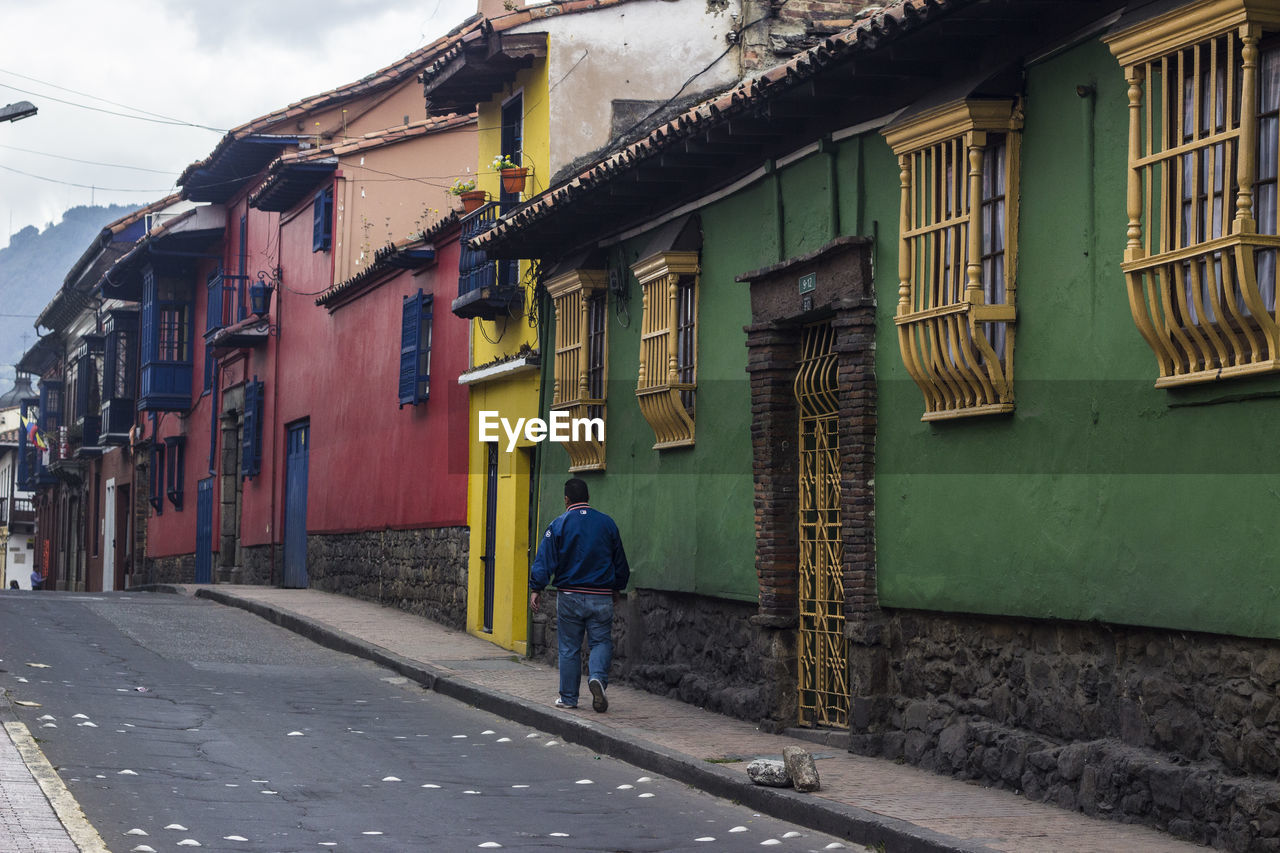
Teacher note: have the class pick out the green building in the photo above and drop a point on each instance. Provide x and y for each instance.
(850, 501)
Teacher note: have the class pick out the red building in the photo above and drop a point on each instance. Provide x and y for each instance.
(297, 390)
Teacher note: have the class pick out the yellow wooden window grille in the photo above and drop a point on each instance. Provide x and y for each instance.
(1204, 142)
(668, 377)
(957, 254)
(581, 352)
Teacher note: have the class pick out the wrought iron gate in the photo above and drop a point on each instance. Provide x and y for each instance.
(823, 649)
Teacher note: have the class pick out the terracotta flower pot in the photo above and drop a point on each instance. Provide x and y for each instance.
(513, 180)
(472, 200)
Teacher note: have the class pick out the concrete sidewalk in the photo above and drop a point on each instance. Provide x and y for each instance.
(865, 800)
(37, 813)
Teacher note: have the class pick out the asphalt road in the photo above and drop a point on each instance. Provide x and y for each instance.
(178, 723)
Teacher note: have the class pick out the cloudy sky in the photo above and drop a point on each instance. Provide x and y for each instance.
(176, 63)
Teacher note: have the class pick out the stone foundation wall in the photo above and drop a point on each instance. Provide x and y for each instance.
(705, 651)
(180, 569)
(1172, 729)
(423, 572)
(256, 566)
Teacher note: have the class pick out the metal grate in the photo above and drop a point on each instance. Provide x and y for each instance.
(823, 651)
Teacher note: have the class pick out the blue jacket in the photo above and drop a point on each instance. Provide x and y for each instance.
(582, 551)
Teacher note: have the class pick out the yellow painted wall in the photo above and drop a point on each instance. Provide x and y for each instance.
(513, 397)
(532, 82)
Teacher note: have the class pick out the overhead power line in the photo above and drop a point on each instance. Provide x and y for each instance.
(82, 186)
(169, 121)
(88, 162)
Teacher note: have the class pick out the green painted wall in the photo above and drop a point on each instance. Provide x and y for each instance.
(1101, 497)
(686, 514)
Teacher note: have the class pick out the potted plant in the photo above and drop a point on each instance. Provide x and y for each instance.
(513, 174)
(465, 189)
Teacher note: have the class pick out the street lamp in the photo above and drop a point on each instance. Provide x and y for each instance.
(20, 110)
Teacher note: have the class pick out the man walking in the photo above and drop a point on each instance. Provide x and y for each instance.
(582, 552)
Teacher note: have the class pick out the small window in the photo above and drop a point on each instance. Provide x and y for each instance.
(322, 222)
(581, 312)
(415, 350)
(669, 346)
(956, 276)
(1204, 132)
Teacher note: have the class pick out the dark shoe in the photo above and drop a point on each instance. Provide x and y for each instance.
(598, 700)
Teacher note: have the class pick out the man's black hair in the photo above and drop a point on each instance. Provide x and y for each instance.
(576, 491)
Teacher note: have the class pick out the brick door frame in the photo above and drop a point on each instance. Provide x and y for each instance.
(833, 283)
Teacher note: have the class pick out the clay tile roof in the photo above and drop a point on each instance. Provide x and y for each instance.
(278, 192)
(869, 33)
(478, 28)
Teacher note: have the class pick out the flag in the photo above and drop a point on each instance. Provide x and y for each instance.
(34, 436)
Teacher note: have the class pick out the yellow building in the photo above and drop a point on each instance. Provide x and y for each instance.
(550, 83)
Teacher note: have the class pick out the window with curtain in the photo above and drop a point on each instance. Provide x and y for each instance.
(1204, 140)
(581, 306)
(956, 307)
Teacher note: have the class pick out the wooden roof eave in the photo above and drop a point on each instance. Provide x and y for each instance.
(870, 73)
(480, 68)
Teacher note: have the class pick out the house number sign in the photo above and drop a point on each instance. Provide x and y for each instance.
(809, 283)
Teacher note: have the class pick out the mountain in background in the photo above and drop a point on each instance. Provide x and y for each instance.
(32, 268)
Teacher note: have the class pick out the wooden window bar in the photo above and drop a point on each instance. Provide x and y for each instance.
(667, 380)
(580, 366)
(1199, 269)
(958, 232)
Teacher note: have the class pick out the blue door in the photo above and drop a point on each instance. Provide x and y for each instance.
(204, 531)
(295, 506)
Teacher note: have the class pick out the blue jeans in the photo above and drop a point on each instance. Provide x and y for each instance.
(577, 614)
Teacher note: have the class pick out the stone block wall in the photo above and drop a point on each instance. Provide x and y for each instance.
(256, 565)
(423, 572)
(179, 569)
(704, 651)
(1172, 729)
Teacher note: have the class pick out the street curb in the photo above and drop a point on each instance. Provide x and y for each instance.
(827, 816)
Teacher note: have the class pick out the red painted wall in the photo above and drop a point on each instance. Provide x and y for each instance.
(372, 465)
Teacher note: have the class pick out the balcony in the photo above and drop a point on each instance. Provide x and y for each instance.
(116, 419)
(487, 288)
(16, 512)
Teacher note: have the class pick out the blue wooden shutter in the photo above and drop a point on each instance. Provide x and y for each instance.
(322, 221)
(213, 304)
(150, 340)
(175, 450)
(251, 446)
(411, 317)
(156, 498)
